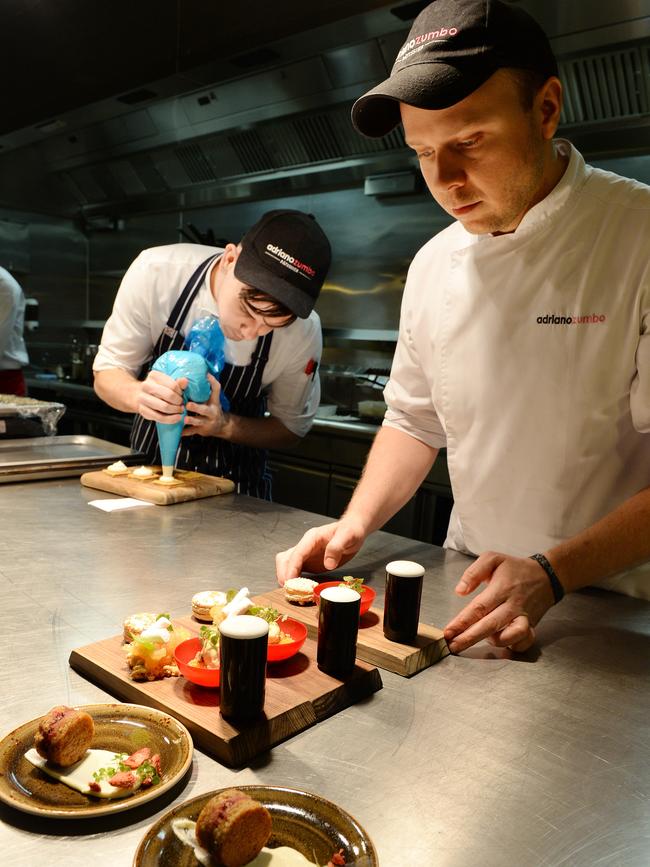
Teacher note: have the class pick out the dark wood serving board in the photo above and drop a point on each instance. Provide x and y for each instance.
(372, 645)
(298, 695)
(194, 486)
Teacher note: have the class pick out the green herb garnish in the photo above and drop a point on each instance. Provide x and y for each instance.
(265, 612)
(352, 583)
(111, 770)
(210, 635)
(146, 769)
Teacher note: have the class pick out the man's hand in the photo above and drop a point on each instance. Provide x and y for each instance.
(517, 596)
(161, 398)
(320, 549)
(206, 419)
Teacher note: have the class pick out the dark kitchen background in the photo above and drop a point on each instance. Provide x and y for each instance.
(126, 125)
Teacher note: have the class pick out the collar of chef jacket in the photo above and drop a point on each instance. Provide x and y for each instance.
(566, 190)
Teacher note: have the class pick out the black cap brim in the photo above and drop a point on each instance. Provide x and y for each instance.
(253, 274)
(431, 85)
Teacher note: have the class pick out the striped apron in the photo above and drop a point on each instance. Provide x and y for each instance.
(242, 385)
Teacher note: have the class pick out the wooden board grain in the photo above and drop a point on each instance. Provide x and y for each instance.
(372, 645)
(298, 695)
(194, 486)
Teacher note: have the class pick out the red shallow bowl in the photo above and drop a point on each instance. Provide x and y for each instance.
(297, 631)
(187, 650)
(367, 594)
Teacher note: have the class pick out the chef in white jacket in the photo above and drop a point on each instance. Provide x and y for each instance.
(524, 344)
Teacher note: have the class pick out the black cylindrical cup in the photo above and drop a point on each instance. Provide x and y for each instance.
(402, 600)
(243, 647)
(338, 625)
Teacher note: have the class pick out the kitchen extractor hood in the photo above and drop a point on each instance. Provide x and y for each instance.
(285, 127)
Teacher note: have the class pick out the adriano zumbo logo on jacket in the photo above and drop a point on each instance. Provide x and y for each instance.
(563, 319)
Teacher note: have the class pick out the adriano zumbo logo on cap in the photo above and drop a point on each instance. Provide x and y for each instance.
(289, 261)
(416, 43)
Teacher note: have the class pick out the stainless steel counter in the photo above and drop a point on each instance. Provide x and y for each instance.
(484, 759)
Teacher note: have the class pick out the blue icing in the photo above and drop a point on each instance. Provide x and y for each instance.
(178, 363)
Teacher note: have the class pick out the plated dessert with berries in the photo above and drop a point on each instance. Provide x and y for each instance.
(75, 762)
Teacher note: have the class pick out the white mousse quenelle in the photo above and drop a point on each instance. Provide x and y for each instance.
(143, 472)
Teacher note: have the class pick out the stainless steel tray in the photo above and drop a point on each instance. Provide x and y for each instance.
(32, 417)
(56, 457)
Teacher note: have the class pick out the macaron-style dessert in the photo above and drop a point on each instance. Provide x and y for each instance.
(300, 590)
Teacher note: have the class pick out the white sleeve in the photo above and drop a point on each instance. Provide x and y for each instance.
(294, 394)
(640, 388)
(408, 392)
(127, 340)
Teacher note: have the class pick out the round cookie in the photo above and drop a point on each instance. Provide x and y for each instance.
(233, 827)
(300, 590)
(64, 734)
(205, 600)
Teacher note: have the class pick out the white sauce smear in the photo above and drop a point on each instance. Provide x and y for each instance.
(79, 775)
(283, 856)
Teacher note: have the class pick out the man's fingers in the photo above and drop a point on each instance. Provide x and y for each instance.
(156, 409)
(290, 563)
(320, 549)
(283, 567)
(475, 623)
(480, 570)
(526, 642)
(484, 605)
(518, 635)
(343, 545)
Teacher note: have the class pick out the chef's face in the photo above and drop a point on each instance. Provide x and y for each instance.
(488, 159)
(241, 318)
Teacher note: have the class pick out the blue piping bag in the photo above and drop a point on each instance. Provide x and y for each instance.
(178, 363)
(205, 354)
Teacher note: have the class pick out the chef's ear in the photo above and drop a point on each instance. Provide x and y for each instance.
(231, 254)
(549, 102)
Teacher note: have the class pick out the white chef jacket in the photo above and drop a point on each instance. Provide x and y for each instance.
(528, 356)
(13, 352)
(142, 306)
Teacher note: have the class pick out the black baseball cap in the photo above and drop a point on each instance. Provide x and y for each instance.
(287, 255)
(453, 47)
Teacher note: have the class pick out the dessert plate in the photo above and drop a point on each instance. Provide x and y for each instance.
(123, 728)
(314, 826)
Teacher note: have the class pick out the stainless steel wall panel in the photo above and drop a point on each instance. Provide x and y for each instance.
(127, 177)
(196, 166)
(222, 157)
(268, 88)
(355, 63)
(168, 115)
(15, 250)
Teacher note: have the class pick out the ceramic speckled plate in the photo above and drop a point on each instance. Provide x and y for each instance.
(120, 727)
(315, 827)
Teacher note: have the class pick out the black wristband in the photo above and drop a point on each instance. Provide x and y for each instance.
(556, 587)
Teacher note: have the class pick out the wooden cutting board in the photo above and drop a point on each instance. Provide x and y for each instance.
(298, 695)
(372, 645)
(194, 486)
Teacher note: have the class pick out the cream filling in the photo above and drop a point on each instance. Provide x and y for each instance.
(143, 472)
